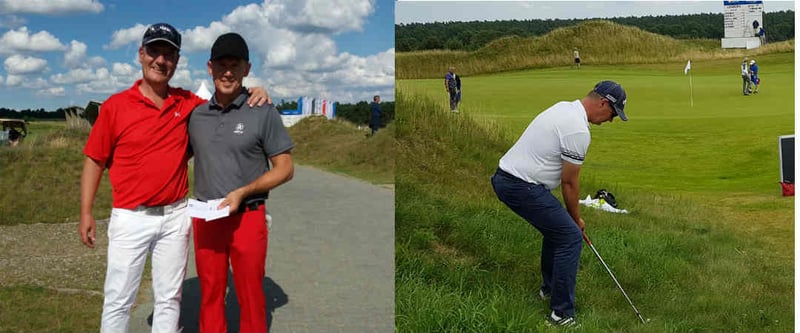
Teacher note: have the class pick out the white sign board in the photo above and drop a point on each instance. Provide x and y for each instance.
(740, 17)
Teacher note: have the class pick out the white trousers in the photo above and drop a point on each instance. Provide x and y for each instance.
(131, 235)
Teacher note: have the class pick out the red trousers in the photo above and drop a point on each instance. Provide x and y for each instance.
(242, 239)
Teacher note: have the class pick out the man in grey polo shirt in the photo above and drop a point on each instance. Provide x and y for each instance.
(550, 153)
(232, 144)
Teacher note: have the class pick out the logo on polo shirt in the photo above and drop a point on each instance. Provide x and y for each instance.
(239, 128)
(177, 114)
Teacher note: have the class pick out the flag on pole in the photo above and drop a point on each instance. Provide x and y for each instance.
(688, 67)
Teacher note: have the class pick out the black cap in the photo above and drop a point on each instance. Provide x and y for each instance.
(162, 32)
(613, 92)
(230, 45)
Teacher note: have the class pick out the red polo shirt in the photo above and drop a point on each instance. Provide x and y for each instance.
(144, 147)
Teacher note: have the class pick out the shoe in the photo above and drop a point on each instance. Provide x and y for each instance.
(543, 295)
(554, 320)
(454, 110)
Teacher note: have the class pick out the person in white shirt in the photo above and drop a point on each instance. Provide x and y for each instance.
(746, 84)
(550, 153)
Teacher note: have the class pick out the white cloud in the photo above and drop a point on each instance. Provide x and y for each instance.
(50, 7)
(52, 92)
(75, 54)
(105, 83)
(35, 83)
(21, 41)
(77, 75)
(75, 57)
(200, 39)
(183, 76)
(316, 16)
(13, 80)
(17, 64)
(127, 36)
(127, 70)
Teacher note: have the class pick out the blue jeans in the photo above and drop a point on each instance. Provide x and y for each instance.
(562, 243)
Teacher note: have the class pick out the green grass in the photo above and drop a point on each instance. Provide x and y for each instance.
(34, 309)
(340, 147)
(41, 177)
(707, 246)
(723, 138)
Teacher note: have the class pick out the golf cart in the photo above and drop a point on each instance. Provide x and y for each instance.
(14, 131)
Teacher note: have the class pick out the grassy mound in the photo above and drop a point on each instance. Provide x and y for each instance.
(466, 263)
(600, 43)
(340, 146)
(41, 178)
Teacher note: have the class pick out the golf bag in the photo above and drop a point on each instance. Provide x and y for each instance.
(607, 197)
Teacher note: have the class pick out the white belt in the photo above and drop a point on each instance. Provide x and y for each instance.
(161, 210)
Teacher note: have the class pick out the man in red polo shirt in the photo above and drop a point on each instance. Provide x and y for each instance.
(141, 137)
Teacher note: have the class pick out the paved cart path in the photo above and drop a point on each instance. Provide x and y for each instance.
(330, 260)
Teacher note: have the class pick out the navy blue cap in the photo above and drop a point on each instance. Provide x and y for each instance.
(162, 32)
(613, 92)
(230, 45)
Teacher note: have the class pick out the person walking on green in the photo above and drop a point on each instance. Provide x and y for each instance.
(746, 84)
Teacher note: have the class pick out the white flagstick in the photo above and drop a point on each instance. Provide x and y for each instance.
(691, 90)
(687, 70)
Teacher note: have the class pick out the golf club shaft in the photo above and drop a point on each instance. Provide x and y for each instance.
(597, 254)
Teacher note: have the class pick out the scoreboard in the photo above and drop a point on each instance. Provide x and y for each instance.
(741, 16)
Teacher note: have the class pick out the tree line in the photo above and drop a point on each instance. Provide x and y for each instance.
(470, 36)
(29, 114)
(357, 113)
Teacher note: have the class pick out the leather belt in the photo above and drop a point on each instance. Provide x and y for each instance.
(252, 205)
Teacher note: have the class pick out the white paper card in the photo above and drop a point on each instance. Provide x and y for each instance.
(207, 210)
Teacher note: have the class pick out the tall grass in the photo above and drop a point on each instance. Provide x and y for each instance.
(466, 263)
(40, 180)
(600, 43)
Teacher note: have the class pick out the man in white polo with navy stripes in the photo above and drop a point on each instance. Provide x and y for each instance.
(550, 153)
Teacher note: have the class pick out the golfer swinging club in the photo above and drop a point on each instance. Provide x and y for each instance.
(550, 153)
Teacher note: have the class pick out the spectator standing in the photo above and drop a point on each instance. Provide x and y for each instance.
(756, 81)
(375, 115)
(451, 85)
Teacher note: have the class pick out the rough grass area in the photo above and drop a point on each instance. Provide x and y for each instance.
(466, 263)
(41, 178)
(342, 147)
(35, 309)
(620, 44)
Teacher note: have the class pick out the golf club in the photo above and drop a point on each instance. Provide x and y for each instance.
(586, 238)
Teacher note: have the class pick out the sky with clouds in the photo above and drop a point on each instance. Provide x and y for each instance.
(446, 11)
(68, 52)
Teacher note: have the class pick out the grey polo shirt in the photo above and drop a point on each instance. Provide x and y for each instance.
(232, 145)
